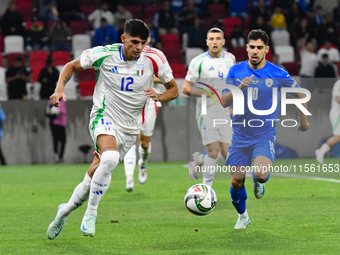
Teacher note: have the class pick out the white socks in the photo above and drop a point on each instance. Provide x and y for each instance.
(144, 155)
(101, 180)
(130, 163)
(325, 148)
(208, 170)
(244, 215)
(79, 196)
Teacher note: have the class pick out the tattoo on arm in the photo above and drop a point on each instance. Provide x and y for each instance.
(76, 61)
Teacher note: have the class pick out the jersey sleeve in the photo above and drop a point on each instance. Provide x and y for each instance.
(193, 72)
(336, 89)
(94, 57)
(160, 64)
(286, 80)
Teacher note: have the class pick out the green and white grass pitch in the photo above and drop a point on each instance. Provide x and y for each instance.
(296, 216)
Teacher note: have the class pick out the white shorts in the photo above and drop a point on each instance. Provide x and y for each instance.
(335, 121)
(209, 134)
(149, 116)
(106, 126)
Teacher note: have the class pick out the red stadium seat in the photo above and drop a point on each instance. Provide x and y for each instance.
(87, 9)
(150, 10)
(60, 57)
(240, 54)
(135, 10)
(23, 4)
(292, 68)
(11, 58)
(1, 61)
(170, 41)
(87, 75)
(217, 11)
(228, 25)
(86, 88)
(179, 70)
(35, 71)
(38, 58)
(78, 27)
(173, 55)
(1, 42)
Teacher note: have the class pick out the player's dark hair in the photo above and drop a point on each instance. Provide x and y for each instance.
(215, 30)
(257, 34)
(136, 28)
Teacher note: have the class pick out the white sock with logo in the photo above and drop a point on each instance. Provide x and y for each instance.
(80, 195)
(101, 180)
(208, 170)
(325, 148)
(130, 163)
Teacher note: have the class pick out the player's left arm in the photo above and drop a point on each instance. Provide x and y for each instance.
(170, 93)
(303, 125)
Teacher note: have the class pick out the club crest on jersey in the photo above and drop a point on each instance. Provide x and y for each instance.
(140, 69)
(269, 82)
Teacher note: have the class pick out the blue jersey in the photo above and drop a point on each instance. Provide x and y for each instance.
(265, 79)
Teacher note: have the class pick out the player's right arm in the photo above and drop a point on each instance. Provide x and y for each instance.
(227, 98)
(65, 75)
(189, 89)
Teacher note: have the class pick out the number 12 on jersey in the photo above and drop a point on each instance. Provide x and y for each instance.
(126, 83)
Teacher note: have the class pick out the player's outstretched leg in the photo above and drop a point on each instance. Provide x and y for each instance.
(195, 165)
(320, 153)
(142, 162)
(79, 196)
(208, 170)
(129, 166)
(100, 183)
(261, 175)
(238, 198)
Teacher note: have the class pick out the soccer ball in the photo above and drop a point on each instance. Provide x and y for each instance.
(200, 199)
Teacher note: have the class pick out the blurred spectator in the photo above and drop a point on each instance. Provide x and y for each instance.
(256, 3)
(236, 37)
(309, 61)
(197, 35)
(260, 24)
(304, 4)
(105, 34)
(48, 11)
(331, 50)
(296, 12)
(69, 10)
(60, 36)
(16, 78)
(48, 78)
(276, 61)
(336, 14)
(261, 9)
(155, 40)
(187, 16)
(239, 8)
(103, 12)
(328, 29)
(165, 20)
(278, 20)
(58, 121)
(177, 5)
(324, 70)
(121, 15)
(12, 21)
(301, 31)
(35, 37)
(2, 119)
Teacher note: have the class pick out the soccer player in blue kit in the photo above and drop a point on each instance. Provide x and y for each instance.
(251, 143)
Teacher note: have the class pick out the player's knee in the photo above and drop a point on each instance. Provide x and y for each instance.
(144, 144)
(109, 160)
(237, 183)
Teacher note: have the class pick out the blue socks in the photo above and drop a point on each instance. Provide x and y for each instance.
(238, 198)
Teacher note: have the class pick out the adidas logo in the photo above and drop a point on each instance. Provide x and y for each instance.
(211, 69)
(114, 70)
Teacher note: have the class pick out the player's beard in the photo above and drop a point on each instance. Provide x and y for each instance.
(256, 63)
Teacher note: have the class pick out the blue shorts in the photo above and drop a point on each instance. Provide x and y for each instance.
(242, 154)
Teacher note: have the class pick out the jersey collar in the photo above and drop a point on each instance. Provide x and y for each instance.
(208, 54)
(121, 55)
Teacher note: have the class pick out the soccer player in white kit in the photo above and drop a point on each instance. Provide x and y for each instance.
(210, 68)
(334, 116)
(124, 83)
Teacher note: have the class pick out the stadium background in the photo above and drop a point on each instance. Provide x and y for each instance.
(27, 138)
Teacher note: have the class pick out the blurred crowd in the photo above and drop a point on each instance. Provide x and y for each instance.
(50, 25)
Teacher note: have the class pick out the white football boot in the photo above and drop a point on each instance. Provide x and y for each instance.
(88, 225)
(57, 224)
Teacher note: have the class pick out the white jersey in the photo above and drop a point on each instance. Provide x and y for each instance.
(211, 71)
(119, 91)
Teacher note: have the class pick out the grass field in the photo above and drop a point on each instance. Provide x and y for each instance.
(296, 216)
